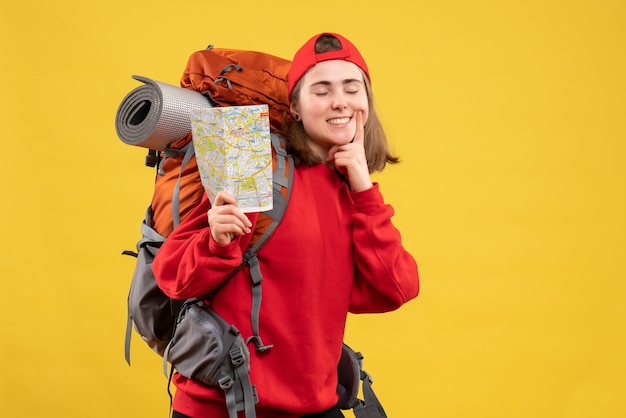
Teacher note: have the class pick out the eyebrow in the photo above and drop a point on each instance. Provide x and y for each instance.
(343, 82)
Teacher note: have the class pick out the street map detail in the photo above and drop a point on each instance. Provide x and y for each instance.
(234, 154)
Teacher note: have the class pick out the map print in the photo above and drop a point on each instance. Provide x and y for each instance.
(234, 154)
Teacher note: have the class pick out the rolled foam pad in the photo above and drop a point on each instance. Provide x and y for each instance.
(156, 114)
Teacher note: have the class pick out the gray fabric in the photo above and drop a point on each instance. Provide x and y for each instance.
(152, 314)
(207, 349)
(350, 376)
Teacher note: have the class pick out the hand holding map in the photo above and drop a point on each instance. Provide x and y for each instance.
(233, 152)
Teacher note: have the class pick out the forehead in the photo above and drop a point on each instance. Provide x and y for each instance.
(332, 71)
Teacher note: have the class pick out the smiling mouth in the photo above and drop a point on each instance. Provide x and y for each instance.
(338, 121)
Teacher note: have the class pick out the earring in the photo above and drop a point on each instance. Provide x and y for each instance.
(297, 117)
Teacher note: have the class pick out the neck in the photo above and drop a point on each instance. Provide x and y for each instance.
(321, 150)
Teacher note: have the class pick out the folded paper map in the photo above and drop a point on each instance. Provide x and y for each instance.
(234, 154)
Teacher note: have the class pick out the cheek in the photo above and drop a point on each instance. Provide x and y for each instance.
(308, 126)
(366, 115)
(363, 105)
(311, 110)
(366, 111)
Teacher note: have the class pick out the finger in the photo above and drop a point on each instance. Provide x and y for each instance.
(359, 135)
(225, 211)
(234, 227)
(331, 152)
(228, 214)
(224, 198)
(225, 227)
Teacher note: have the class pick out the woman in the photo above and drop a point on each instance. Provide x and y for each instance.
(335, 251)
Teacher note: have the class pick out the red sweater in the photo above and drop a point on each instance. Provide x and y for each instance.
(335, 252)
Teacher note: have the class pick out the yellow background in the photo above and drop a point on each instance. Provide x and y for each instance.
(510, 120)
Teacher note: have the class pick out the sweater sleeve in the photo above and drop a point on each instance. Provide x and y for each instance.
(386, 274)
(190, 263)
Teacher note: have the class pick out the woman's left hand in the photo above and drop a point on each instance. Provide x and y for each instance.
(350, 158)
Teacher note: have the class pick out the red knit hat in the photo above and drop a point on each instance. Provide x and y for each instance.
(306, 58)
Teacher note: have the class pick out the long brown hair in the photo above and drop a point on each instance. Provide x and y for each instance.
(375, 140)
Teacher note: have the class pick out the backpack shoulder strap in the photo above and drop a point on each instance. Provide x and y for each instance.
(353, 379)
(282, 178)
(188, 151)
(370, 407)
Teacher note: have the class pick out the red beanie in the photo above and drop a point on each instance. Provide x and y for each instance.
(306, 58)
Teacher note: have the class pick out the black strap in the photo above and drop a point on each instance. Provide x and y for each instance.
(370, 407)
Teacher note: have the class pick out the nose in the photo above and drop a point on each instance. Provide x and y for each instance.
(340, 101)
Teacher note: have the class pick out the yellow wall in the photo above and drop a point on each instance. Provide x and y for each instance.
(510, 119)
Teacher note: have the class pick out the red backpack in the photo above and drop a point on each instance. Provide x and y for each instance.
(226, 77)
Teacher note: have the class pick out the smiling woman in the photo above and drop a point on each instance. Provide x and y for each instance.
(318, 62)
(336, 237)
(509, 120)
(332, 96)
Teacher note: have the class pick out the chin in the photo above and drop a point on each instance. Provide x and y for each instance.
(341, 138)
(346, 140)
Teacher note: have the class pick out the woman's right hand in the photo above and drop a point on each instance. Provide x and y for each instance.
(226, 220)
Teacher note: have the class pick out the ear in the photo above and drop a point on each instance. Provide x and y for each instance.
(293, 108)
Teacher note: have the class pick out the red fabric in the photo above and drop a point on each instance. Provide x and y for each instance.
(306, 58)
(334, 252)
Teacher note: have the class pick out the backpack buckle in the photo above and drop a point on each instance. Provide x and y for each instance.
(225, 382)
(237, 357)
